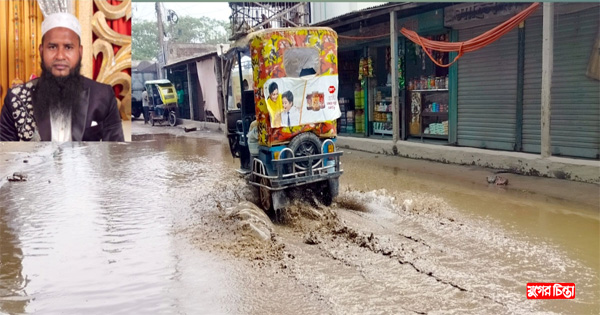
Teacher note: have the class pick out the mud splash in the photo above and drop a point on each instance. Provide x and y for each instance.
(377, 251)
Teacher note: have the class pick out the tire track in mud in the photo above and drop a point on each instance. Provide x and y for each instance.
(489, 244)
(419, 244)
(314, 224)
(495, 264)
(372, 243)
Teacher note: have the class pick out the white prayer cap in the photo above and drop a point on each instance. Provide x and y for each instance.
(66, 20)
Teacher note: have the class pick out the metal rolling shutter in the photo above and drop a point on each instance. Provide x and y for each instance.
(575, 104)
(532, 85)
(487, 92)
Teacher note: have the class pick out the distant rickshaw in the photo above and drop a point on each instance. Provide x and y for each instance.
(285, 131)
(163, 101)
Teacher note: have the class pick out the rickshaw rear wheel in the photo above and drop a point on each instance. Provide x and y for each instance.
(305, 144)
(172, 119)
(264, 194)
(329, 190)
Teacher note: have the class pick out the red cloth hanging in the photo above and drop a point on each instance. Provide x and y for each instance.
(471, 44)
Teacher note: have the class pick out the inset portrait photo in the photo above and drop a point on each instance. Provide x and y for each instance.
(63, 83)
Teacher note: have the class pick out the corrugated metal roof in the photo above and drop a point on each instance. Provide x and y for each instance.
(143, 65)
(177, 62)
(360, 12)
(403, 8)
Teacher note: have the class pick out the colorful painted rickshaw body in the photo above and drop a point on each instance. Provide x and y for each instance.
(293, 98)
(162, 93)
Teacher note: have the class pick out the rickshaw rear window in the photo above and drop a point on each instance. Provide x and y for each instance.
(299, 60)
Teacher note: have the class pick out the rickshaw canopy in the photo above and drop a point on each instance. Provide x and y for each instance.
(166, 91)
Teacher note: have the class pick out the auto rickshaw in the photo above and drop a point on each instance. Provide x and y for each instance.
(163, 101)
(292, 106)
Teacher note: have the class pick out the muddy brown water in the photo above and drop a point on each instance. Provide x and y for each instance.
(162, 225)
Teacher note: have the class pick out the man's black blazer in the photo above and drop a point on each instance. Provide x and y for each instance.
(97, 118)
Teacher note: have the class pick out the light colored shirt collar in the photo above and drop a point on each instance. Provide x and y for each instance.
(60, 126)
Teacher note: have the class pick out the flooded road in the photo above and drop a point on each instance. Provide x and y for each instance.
(164, 225)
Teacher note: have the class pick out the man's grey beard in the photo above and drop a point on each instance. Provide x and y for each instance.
(57, 94)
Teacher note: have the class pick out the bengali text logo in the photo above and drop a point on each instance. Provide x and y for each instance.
(550, 290)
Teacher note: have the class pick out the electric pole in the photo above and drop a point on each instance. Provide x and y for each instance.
(162, 60)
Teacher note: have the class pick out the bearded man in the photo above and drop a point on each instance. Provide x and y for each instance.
(61, 105)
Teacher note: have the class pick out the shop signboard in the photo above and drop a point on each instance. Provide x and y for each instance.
(469, 14)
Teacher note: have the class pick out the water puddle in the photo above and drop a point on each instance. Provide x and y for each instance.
(165, 225)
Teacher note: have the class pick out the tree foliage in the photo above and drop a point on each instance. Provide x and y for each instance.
(144, 40)
(198, 30)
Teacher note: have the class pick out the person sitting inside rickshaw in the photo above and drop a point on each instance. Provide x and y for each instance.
(159, 108)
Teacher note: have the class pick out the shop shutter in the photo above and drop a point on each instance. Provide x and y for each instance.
(575, 104)
(532, 85)
(487, 92)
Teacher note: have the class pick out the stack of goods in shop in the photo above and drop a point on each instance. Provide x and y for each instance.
(437, 128)
(359, 106)
(378, 96)
(383, 104)
(350, 121)
(401, 73)
(382, 112)
(359, 97)
(436, 108)
(343, 121)
(428, 83)
(365, 68)
(359, 122)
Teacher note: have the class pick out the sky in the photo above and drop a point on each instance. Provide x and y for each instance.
(214, 10)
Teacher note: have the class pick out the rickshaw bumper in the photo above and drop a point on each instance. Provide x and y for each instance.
(328, 168)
